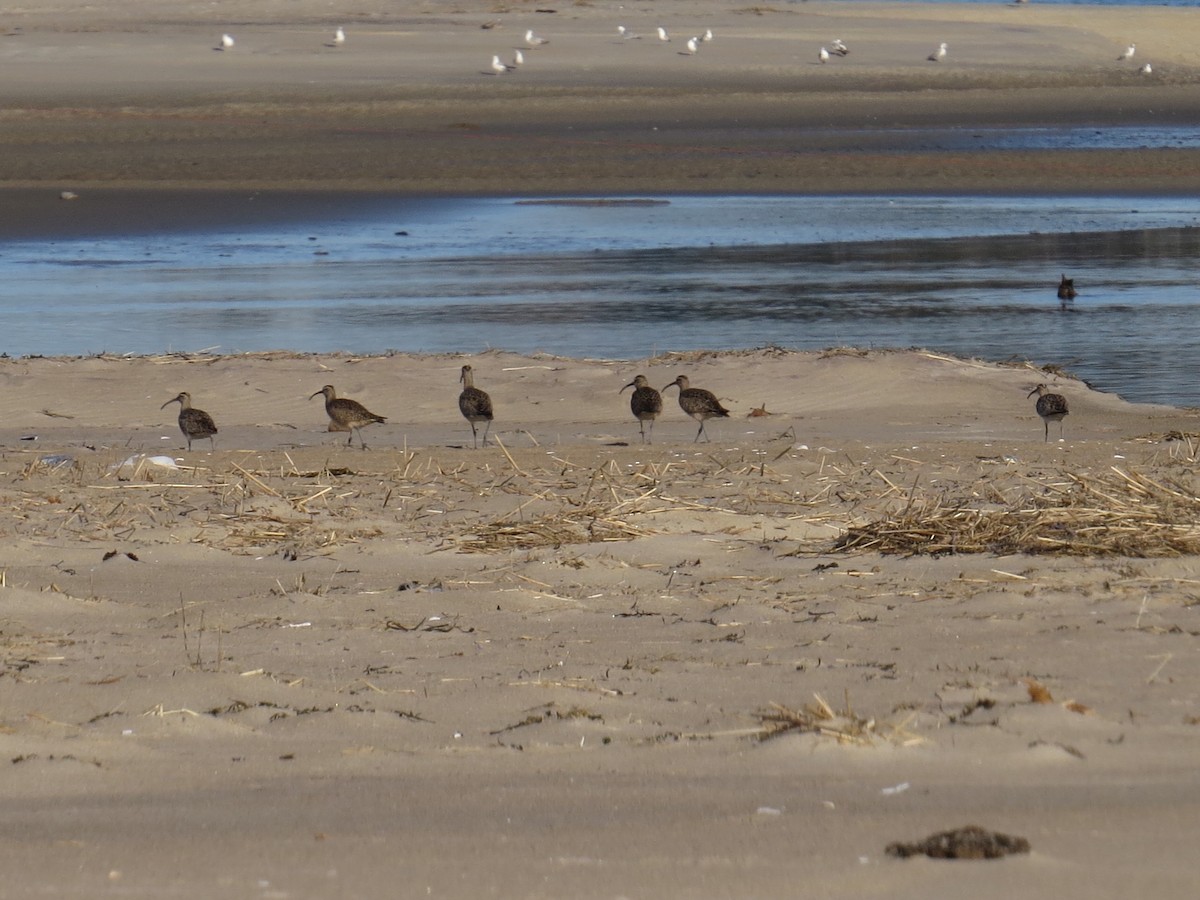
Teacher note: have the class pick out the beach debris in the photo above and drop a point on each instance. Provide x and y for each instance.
(968, 842)
(645, 404)
(195, 424)
(68, 195)
(347, 415)
(940, 53)
(56, 460)
(1051, 408)
(759, 412)
(698, 403)
(818, 717)
(475, 405)
(1122, 513)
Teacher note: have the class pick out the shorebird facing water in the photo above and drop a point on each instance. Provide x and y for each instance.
(698, 403)
(347, 415)
(475, 405)
(645, 404)
(1051, 408)
(194, 423)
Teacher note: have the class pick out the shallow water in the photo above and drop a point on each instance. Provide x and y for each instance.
(965, 275)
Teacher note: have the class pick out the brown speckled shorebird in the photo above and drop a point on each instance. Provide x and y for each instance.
(698, 403)
(194, 423)
(645, 403)
(1051, 407)
(475, 405)
(346, 414)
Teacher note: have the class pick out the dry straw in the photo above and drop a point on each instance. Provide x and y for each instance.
(1115, 513)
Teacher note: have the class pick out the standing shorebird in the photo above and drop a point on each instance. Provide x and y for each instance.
(823, 56)
(339, 37)
(194, 423)
(347, 415)
(1066, 288)
(1051, 407)
(645, 403)
(475, 405)
(227, 42)
(698, 403)
(1128, 54)
(940, 53)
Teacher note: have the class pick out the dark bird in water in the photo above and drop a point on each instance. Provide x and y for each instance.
(194, 423)
(1051, 407)
(347, 415)
(1066, 288)
(475, 405)
(698, 403)
(645, 403)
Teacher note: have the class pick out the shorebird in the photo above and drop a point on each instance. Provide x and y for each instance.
(339, 36)
(347, 415)
(692, 45)
(839, 47)
(698, 403)
(498, 68)
(823, 55)
(518, 59)
(533, 40)
(625, 33)
(940, 53)
(662, 34)
(226, 42)
(1128, 54)
(645, 403)
(707, 36)
(194, 423)
(1051, 407)
(475, 405)
(1066, 288)
(1146, 70)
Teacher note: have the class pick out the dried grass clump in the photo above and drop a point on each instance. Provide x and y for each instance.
(818, 717)
(573, 527)
(1115, 514)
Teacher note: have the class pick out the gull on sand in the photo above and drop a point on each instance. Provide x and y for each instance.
(823, 55)
(226, 42)
(940, 53)
(1129, 51)
(662, 34)
(533, 40)
(498, 68)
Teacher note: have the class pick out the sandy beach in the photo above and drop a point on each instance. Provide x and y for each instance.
(877, 605)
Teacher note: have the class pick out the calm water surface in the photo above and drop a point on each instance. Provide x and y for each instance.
(965, 275)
